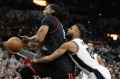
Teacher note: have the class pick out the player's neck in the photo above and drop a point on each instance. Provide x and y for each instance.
(75, 36)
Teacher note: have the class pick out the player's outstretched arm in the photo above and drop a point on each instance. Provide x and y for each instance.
(57, 54)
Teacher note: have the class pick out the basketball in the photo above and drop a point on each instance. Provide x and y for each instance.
(14, 45)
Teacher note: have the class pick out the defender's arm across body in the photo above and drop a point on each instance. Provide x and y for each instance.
(68, 46)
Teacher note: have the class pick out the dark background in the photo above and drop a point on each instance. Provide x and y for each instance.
(101, 17)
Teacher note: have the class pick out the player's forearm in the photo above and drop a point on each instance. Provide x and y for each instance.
(54, 56)
(33, 38)
(45, 59)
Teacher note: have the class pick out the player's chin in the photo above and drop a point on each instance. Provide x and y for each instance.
(68, 36)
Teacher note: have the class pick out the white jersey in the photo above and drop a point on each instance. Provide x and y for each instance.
(94, 55)
(86, 62)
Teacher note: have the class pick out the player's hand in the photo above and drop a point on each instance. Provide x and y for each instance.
(34, 46)
(25, 38)
(34, 61)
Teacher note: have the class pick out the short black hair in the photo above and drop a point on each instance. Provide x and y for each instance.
(82, 30)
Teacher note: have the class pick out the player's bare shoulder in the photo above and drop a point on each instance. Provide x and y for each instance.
(70, 46)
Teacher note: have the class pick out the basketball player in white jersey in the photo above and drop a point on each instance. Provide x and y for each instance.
(79, 54)
(93, 55)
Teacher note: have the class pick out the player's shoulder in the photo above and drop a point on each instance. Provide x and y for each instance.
(49, 17)
(69, 44)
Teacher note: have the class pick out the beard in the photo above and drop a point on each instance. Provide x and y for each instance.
(68, 36)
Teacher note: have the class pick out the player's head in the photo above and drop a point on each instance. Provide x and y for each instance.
(77, 29)
(52, 9)
(82, 29)
(90, 47)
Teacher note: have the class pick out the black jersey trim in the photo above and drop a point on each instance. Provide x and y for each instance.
(77, 48)
(88, 68)
(82, 64)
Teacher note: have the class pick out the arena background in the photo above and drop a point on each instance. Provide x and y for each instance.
(101, 18)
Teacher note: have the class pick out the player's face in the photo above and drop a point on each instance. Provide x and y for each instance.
(73, 29)
(47, 11)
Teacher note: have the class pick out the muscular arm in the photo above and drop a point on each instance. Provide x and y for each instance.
(36, 40)
(40, 36)
(42, 32)
(68, 46)
(32, 38)
(58, 53)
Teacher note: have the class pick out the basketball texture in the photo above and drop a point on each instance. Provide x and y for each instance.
(14, 45)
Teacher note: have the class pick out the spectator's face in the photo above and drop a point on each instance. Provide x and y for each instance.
(48, 11)
(90, 46)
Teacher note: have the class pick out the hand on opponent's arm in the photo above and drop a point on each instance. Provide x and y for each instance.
(42, 60)
(57, 54)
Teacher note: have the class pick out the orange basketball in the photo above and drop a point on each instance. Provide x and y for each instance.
(14, 45)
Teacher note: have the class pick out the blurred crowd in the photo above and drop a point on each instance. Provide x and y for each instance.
(9, 66)
(19, 22)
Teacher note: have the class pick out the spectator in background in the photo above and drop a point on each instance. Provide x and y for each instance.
(1, 45)
(94, 54)
(118, 50)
